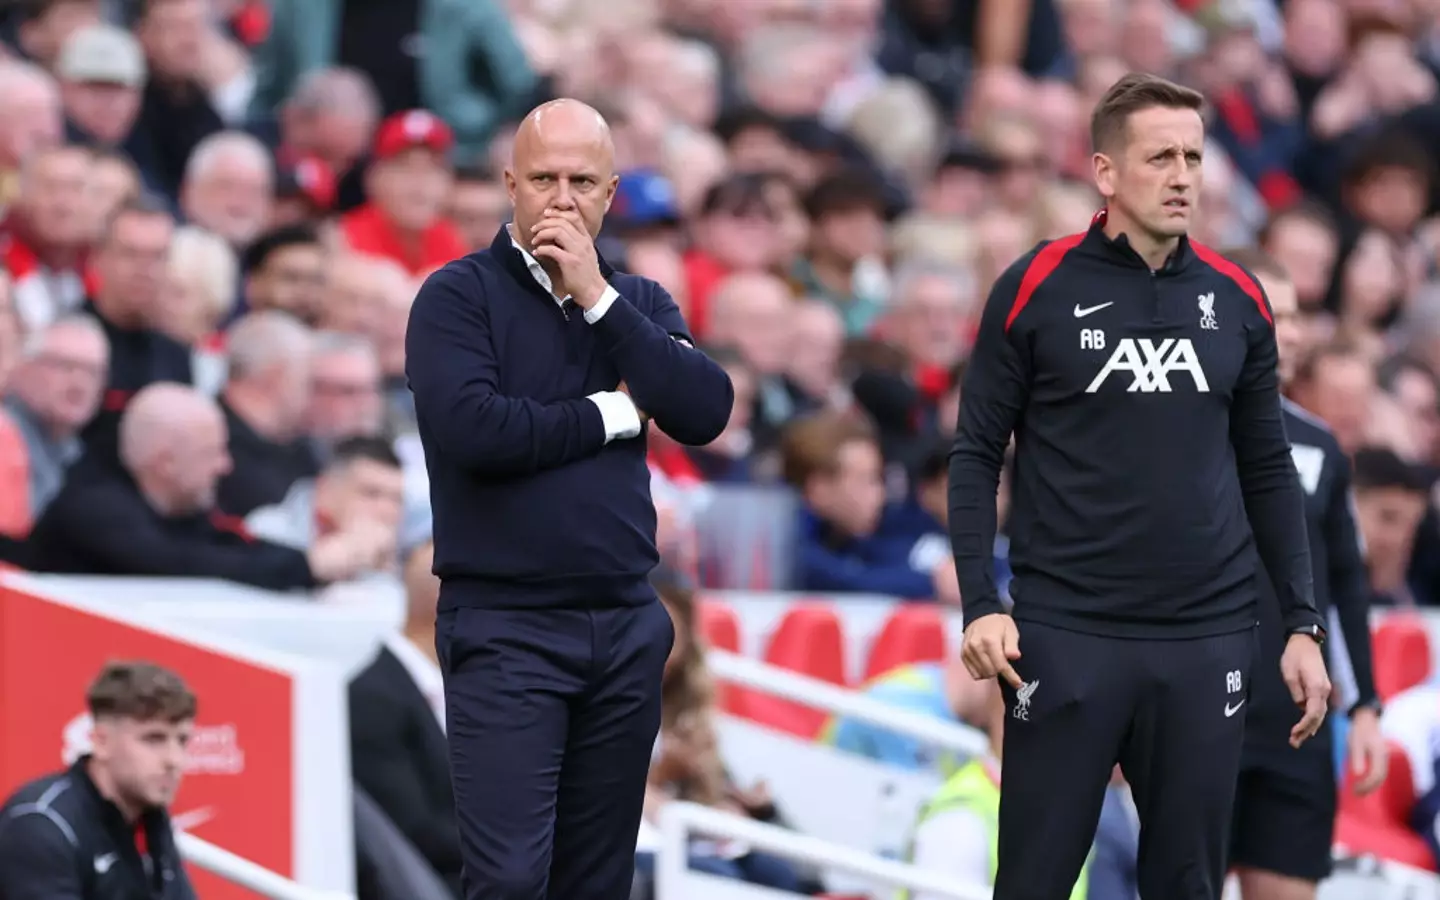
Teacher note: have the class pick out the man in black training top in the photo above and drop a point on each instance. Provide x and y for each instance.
(524, 359)
(1136, 370)
(1284, 818)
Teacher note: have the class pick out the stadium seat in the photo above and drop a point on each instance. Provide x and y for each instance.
(1390, 804)
(1402, 655)
(807, 640)
(1359, 838)
(1379, 823)
(915, 632)
(719, 625)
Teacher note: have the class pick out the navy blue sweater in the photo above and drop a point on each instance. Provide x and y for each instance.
(532, 508)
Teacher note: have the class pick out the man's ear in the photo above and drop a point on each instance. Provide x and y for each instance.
(1104, 168)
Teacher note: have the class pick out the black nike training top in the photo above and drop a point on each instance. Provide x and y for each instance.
(1150, 457)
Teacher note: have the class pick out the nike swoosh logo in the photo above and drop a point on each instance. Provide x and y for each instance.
(1082, 313)
(1232, 710)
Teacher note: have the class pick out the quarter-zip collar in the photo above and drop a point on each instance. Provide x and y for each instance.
(1119, 250)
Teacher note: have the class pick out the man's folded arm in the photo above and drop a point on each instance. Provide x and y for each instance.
(687, 394)
(454, 374)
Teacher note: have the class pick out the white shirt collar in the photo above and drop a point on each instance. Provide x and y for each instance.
(537, 271)
(422, 670)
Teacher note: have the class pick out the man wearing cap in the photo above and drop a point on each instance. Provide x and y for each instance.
(408, 182)
(101, 70)
(530, 362)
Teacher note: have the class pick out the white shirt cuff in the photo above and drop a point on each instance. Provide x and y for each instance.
(618, 412)
(602, 306)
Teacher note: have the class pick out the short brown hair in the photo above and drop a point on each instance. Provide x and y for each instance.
(142, 691)
(811, 445)
(1131, 94)
(1258, 262)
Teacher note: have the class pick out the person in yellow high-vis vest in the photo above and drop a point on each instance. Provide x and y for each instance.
(957, 832)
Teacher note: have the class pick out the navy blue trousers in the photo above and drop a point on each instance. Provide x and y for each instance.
(551, 717)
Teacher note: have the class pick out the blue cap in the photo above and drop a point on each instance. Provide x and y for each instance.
(643, 199)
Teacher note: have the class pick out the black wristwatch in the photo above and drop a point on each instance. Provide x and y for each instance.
(1311, 631)
(1373, 705)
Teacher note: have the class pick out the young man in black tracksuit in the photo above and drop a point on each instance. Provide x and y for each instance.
(100, 829)
(1136, 370)
(1284, 818)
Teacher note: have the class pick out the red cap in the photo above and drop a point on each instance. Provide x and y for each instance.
(410, 129)
(309, 177)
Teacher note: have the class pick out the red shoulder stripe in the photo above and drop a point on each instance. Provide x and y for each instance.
(1041, 267)
(1234, 273)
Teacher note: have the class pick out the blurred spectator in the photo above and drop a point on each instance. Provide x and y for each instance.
(130, 264)
(359, 288)
(44, 26)
(108, 813)
(52, 394)
(177, 112)
(944, 691)
(687, 763)
(1303, 239)
(813, 368)
(957, 830)
(1410, 386)
(306, 192)
(200, 296)
(754, 314)
(228, 186)
(155, 513)
(833, 461)
(102, 79)
(49, 234)
(408, 182)
(735, 232)
(362, 482)
(112, 182)
(30, 120)
(478, 206)
(1390, 499)
(331, 117)
(847, 241)
(284, 270)
(1337, 383)
(730, 458)
(265, 400)
(397, 726)
(459, 58)
(346, 401)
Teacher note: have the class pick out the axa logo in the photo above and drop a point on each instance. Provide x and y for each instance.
(1152, 365)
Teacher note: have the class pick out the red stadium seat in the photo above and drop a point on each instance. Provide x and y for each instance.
(915, 632)
(1359, 838)
(1402, 655)
(1390, 804)
(1379, 824)
(807, 640)
(719, 625)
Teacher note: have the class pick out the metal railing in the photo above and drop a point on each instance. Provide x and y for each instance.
(252, 876)
(679, 820)
(845, 702)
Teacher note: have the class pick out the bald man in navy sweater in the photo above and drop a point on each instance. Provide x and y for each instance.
(535, 367)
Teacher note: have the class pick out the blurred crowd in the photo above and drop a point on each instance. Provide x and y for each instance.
(217, 212)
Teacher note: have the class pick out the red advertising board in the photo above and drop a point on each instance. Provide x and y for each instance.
(239, 784)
